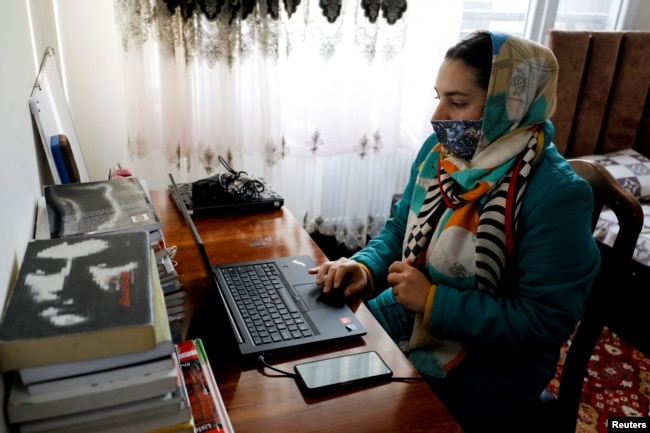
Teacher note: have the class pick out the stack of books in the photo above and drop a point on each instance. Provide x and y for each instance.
(86, 341)
(114, 206)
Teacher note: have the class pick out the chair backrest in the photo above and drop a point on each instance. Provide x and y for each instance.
(603, 91)
(607, 192)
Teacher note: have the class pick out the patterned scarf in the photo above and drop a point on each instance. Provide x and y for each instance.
(494, 201)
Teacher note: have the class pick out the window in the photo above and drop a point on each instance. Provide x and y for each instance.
(502, 15)
(587, 14)
(534, 18)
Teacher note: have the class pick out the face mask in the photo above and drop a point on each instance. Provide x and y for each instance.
(458, 137)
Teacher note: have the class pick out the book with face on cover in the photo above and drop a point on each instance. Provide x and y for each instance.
(78, 299)
(164, 347)
(105, 206)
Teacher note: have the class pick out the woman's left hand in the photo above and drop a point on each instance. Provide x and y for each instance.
(410, 285)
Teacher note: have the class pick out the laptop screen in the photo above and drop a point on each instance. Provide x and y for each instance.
(195, 234)
(203, 255)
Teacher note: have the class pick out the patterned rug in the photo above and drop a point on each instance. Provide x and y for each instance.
(618, 383)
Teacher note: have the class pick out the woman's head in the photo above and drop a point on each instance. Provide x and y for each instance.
(505, 81)
(463, 79)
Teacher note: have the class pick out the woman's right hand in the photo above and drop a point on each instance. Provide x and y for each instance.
(342, 274)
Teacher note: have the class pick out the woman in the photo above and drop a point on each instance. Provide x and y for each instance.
(489, 256)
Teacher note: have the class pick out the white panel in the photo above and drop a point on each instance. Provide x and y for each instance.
(49, 107)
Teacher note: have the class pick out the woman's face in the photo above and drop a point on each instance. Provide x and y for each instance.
(460, 96)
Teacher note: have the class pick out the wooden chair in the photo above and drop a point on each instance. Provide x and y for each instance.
(560, 415)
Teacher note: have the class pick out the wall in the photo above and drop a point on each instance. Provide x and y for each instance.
(91, 55)
(19, 172)
(19, 165)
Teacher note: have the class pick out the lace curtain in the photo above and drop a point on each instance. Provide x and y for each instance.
(328, 107)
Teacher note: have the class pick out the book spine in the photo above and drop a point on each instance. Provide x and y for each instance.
(208, 409)
(55, 147)
(221, 407)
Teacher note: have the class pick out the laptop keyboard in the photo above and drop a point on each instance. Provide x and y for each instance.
(265, 305)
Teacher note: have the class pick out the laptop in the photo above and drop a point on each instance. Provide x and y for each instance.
(219, 204)
(274, 305)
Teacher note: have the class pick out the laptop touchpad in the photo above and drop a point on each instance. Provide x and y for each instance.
(314, 298)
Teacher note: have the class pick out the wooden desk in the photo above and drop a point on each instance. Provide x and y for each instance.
(263, 401)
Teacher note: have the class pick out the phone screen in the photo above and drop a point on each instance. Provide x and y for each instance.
(342, 370)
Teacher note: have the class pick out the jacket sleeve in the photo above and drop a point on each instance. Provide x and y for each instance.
(557, 261)
(386, 247)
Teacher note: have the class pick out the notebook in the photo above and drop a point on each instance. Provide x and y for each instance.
(280, 306)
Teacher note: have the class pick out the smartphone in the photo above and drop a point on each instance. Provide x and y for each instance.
(342, 371)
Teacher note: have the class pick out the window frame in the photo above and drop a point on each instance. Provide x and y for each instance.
(542, 14)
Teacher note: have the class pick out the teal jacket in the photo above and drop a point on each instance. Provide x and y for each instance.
(557, 260)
